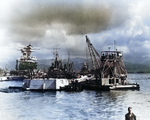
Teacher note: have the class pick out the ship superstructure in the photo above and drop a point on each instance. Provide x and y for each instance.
(60, 70)
(26, 55)
(26, 64)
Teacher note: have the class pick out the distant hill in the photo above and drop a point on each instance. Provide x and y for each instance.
(43, 67)
(78, 63)
(44, 64)
(137, 68)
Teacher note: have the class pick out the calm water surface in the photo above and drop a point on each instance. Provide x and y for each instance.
(85, 105)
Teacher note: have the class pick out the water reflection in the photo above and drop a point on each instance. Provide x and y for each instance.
(36, 95)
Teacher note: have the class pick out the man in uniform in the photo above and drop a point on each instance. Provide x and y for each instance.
(130, 115)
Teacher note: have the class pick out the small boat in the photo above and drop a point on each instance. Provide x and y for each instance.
(15, 78)
(4, 78)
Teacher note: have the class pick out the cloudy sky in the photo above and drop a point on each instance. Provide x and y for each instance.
(65, 23)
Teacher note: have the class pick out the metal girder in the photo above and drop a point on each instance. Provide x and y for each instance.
(94, 54)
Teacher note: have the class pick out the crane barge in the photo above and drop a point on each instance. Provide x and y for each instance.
(109, 70)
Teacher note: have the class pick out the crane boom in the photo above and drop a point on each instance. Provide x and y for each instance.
(95, 57)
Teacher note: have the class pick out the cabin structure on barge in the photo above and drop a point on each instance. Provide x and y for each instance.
(112, 68)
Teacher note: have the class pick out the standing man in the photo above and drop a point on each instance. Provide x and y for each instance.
(130, 115)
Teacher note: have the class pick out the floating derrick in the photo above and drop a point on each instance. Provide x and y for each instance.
(109, 69)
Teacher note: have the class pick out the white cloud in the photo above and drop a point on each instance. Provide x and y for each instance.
(146, 44)
(125, 49)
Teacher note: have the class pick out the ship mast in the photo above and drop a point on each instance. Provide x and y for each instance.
(56, 55)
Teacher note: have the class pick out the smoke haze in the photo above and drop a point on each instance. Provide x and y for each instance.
(74, 20)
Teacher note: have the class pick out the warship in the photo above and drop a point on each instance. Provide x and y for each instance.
(56, 78)
(60, 70)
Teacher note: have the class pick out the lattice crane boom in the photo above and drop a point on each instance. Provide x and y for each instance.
(95, 57)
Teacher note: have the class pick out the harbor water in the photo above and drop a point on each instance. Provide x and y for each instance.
(84, 105)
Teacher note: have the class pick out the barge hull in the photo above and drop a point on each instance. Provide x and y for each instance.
(51, 84)
(125, 87)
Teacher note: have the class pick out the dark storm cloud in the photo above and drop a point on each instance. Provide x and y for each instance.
(75, 19)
